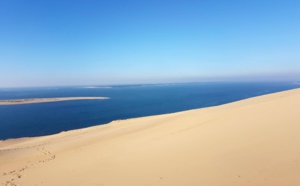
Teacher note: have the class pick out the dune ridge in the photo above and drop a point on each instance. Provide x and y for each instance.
(250, 142)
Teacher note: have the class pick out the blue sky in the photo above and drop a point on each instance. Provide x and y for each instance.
(57, 42)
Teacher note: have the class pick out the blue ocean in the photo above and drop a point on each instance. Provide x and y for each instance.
(126, 101)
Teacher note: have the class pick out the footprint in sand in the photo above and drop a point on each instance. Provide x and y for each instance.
(17, 173)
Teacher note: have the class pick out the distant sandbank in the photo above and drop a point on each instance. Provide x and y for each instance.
(44, 100)
(97, 87)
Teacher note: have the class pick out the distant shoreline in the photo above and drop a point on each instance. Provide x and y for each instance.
(45, 100)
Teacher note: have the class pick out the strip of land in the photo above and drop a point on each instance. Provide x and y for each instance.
(44, 100)
(254, 142)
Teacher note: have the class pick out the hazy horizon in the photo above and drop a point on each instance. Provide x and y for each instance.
(109, 85)
(76, 43)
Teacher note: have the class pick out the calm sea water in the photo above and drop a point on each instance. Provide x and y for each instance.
(125, 102)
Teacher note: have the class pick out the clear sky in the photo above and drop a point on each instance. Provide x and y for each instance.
(86, 42)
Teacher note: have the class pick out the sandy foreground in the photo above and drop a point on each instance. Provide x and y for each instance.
(44, 100)
(251, 142)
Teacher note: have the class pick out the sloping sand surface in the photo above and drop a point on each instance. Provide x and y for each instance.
(251, 142)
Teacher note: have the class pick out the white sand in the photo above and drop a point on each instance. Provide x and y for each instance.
(253, 142)
(44, 100)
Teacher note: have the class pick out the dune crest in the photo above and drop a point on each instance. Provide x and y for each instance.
(250, 142)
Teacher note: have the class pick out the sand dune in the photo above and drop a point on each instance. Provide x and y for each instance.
(251, 142)
(44, 100)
